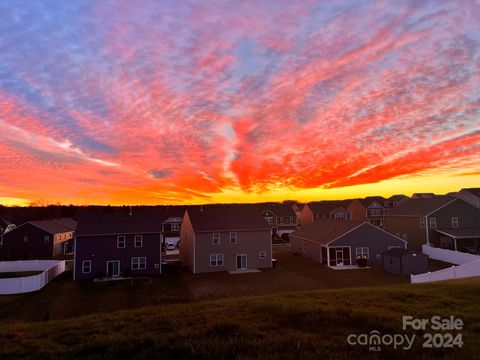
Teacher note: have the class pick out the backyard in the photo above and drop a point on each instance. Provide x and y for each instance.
(64, 298)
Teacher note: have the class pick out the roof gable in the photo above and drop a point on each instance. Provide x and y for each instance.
(325, 231)
(420, 206)
(233, 217)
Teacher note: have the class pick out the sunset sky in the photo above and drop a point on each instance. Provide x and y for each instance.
(154, 102)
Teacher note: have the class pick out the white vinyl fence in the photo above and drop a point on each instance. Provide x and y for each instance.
(450, 256)
(50, 269)
(455, 272)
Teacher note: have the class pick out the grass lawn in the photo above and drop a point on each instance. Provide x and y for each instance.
(303, 325)
(64, 298)
(7, 275)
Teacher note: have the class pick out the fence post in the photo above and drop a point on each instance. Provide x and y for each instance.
(453, 268)
(429, 276)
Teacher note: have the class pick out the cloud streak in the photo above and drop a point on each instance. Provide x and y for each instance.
(159, 102)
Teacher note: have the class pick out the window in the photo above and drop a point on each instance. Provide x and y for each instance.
(216, 260)
(394, 247)
(292, 219)
(138, 241)
(422, 223)
(216, 238)
(233, 237)
(25, 238)
(404, 236)
(445, 243)
(175, 227)
(361, 252)
(397, 234)
(46, 239)
(86, 266)
(269, 220)
(433, 223)
(121, 241)
(375, 212)
(262, 255)
(280, 220)
(139, 263)
(454, 222)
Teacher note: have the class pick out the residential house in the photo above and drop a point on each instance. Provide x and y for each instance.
(405, 262)
(419, 220)
(119, 244)
(370, 209)
(5, 226)
(171, 230)
(423, 195)
(35, 240)
(470, 195)
(341, 242)
(225, 238)
(327, 209)
(395, 200)
(281, 217)
(297, 207)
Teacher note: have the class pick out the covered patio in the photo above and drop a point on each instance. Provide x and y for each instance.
(465, 240)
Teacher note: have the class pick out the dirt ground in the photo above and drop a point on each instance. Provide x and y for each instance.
(64, 298)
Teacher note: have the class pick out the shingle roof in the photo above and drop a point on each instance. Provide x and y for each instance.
(420, 207)
(278, 209)
(324, 231)
(460, 233)
(68, 222)
(327, 206)
(50, 226)
(369, 200)
(141, 221)
(474, 191)
(227, 218)
(397, 197)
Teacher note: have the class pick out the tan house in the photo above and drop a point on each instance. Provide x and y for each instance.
(370, 209)
(419, 220)
(327, 209)
(225, 238)
(281, 217)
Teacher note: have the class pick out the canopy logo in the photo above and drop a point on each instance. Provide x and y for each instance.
(439, 339)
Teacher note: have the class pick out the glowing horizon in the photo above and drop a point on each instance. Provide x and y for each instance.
(120, 102)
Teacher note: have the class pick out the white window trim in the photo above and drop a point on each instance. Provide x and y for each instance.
(124, 241)
(362, 252)
(216, 260)
(135, 239)
(235, 237)
(174, 227)
(138, 262)
(85, 262)
(404, 236)
(25, 238)
(455, 223)
(433, 223)
(262, 255)
(215, 239)
(422, 223)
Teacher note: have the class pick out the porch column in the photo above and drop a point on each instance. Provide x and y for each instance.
(328, 256)
(455, 243)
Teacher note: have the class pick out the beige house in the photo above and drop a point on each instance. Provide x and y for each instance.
(225, 238)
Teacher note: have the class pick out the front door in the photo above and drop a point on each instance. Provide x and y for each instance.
(113, 268)
(339, 256)
(241, 262)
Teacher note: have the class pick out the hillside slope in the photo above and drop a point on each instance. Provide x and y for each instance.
(311, 324)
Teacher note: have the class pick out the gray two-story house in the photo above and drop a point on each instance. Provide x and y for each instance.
(225, 238)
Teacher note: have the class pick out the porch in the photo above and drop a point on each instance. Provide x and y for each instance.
(462, 240)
